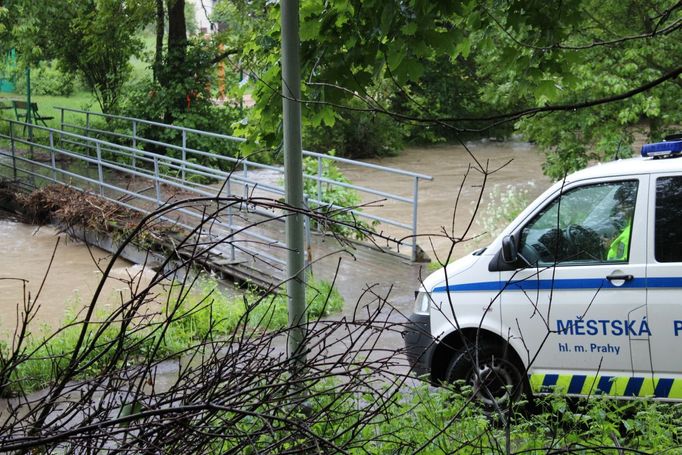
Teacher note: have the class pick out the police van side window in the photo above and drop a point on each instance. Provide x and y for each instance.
(588, 224)
(668, 230)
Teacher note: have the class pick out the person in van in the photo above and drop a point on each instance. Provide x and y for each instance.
(619, 246)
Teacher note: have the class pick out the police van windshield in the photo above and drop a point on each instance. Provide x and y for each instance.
(591, 223)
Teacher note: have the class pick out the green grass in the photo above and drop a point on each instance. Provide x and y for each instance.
(204, 312)
(83, 100)
(435, 421)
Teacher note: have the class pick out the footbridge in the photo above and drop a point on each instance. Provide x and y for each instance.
(144, 165)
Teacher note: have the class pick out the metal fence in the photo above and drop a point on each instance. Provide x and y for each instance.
(107, 170)
(116, 145)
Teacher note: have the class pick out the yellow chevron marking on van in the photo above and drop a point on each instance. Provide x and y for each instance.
(590, 385)
(616, 386)
(648, 387)
(676, 389)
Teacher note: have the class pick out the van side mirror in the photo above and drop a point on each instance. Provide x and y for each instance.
(509, 253)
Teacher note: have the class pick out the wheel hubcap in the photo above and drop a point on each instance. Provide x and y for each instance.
(493, 382)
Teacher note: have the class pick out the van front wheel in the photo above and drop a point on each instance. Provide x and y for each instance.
(491, 371)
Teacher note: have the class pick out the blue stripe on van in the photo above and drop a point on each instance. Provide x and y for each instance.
(633, 387)
(550, 380)
(577, 382)
(574, 283)
(663, 387)
(666, 282)
(604, 385)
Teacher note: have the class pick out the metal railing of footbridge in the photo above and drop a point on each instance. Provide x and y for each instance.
(109, 174)
(179, 165)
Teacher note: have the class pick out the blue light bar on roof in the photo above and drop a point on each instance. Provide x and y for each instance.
(662, 148)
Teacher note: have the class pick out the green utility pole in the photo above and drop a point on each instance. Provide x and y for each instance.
(29, 111)
(293, 178)
(28, 95)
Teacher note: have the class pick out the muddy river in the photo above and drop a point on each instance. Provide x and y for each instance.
(26, 274)
(439, 212)
(25, 251)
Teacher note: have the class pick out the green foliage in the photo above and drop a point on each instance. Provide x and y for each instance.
(334, 201)
(95, 38)
(414, 59)
(573, 139)
(443, 68)
(439, 68)
(348, 47)
(47, 80)
(638, 425)
(208, 308)
(187, 317)
(353, 133)
(430, 420)
(449, 88)
(504, 204)
(152, 100)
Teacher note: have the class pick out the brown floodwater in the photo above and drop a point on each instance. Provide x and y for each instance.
(70, 282)
(438, 205)
(25, 250)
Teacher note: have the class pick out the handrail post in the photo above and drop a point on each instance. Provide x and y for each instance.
(308, 260)
(134, 143)
(52, 157)
(230, 221)
(87, 131)
(100, 172)
(320, 203)
(61, 124)
(415, 206)
(157, 185)
(14, 156)
(319, 180)
(184, 153)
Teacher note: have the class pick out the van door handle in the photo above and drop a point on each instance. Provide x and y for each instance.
(620, 277)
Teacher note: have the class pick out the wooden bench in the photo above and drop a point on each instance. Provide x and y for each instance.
(21, 112)
(4, 105)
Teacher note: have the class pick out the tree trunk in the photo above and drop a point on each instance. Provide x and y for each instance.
(177, 34)
(177, 49)
(160, 31)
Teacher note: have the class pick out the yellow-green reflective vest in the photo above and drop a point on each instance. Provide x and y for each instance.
(620, 247)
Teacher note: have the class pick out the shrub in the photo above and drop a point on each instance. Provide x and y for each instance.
(331, 196)
(151, 100)
(356, 134)
(47, 80)
(503, 206)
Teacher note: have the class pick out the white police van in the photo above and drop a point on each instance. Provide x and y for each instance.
(581, 293)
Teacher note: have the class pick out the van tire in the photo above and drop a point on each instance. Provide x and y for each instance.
(500, 379)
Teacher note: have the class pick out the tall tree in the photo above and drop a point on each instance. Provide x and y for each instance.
(176, 54)
(160, 32)
(518, 59)
(95, 38)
